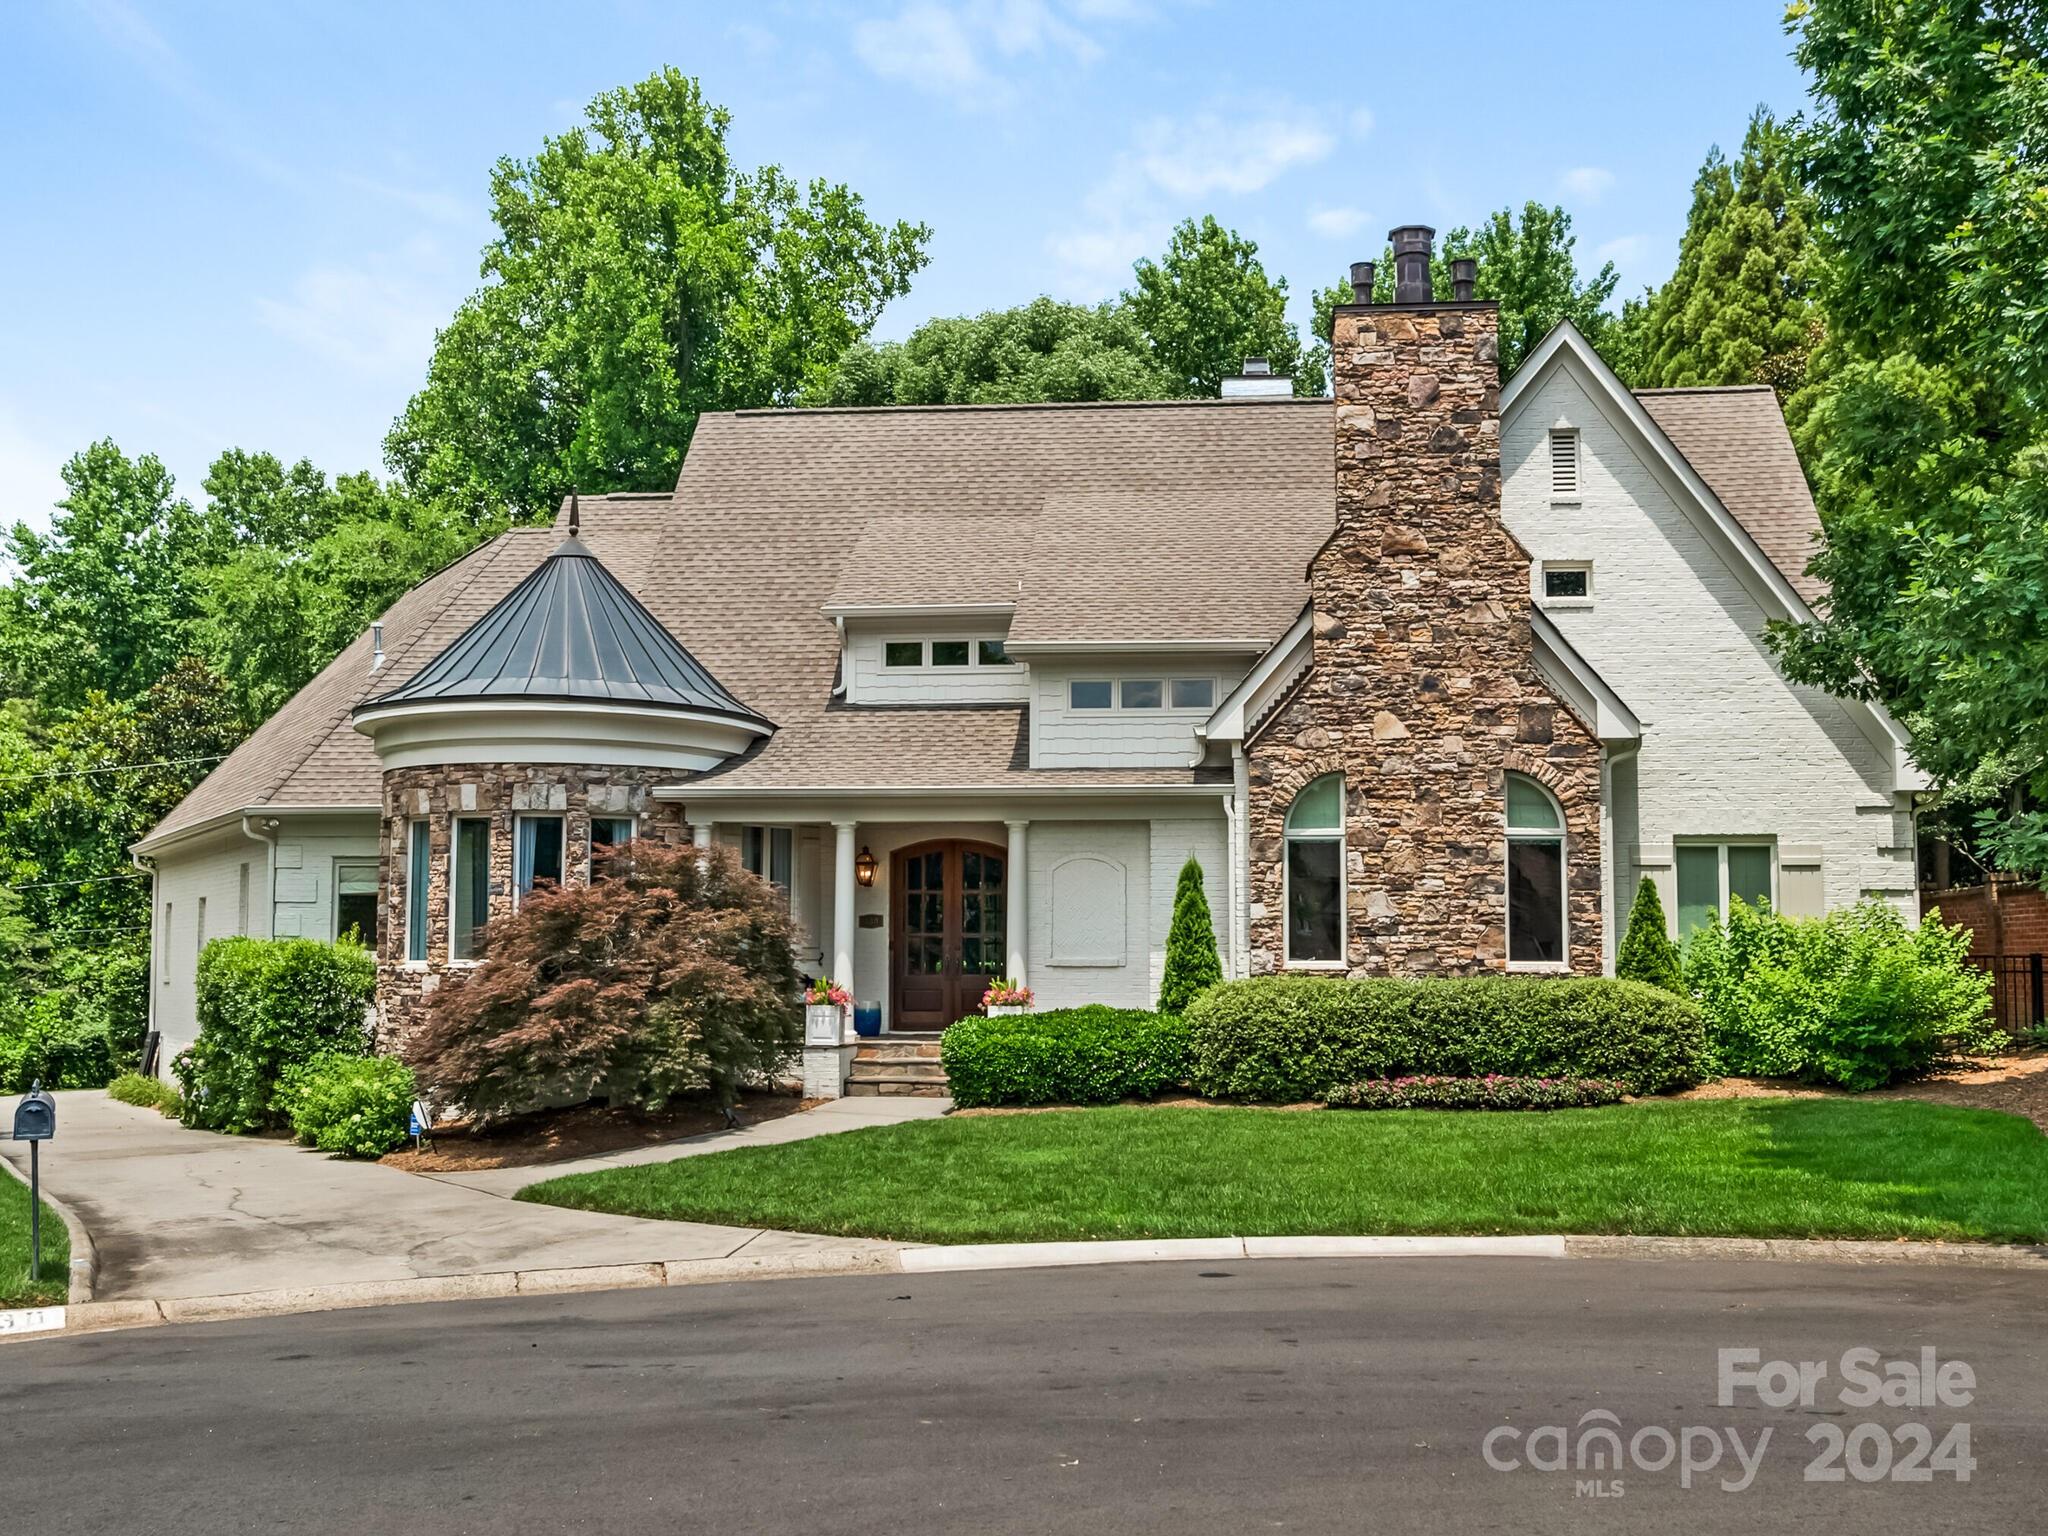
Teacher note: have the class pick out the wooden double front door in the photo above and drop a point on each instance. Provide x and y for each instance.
(949, 932)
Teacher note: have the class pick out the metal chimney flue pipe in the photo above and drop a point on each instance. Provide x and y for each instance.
(1412, 245)
(1361, 282)
(1464, 274)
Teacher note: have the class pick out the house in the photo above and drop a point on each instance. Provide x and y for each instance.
(1427, 675)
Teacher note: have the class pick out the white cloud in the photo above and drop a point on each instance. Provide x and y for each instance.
(376, 319)
(1623, 251)
(1587, 183)
(952, 50)
(1195, 157)
(1362, 121)
(1336, 223)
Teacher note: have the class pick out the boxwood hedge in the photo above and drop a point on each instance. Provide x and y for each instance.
(1091, 1055)
(1284, 1039)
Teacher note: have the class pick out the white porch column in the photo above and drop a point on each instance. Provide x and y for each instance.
(1018, 917)
(842, 905)
(700, 837)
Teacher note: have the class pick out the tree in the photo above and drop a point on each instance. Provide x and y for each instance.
(104, 601)
(1927, 441)
(1527, 267)
(1739, 307)
(1647, 953)
(1207, 305)
(637, 279)
(1191, 962)
(671, 974)
(1043, 350)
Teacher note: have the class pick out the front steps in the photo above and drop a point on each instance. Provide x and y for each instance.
(904, 1065)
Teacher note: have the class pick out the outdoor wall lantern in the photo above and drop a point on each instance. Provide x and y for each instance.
(864, 866)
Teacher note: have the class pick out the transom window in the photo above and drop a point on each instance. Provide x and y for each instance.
(1315, 874)
(1710, 873)
(899, 655)
(1142, 693)
(1536, 873)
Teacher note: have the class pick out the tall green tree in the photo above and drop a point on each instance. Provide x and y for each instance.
(1043, 350)
(1191, 959)
(1928, 445)
(1207, 304)
(1739, 308)
(637, 279)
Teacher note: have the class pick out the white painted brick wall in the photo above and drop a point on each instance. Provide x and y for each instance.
(1730, 748)
(1172, 842)
(1126, 847)
(212, 871)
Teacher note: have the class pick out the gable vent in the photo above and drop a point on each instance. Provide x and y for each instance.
(1564, 462)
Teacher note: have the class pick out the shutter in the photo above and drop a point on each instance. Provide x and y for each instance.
(1802, 892)
(1564, 462)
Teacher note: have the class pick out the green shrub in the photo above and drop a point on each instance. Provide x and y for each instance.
(145, 1093)
(1191, 962)
(1092, 1055)
(1476, 1093)
(265, 1005)
(56, 1040)
(357, 1106)
(1283, 1039)
(1647, 953)
(1855, 998)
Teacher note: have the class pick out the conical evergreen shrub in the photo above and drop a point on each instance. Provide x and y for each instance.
(1191, 962)
(1647, 953)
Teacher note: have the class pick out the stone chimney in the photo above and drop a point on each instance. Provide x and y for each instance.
(1423, 690)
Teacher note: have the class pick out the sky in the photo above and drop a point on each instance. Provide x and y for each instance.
(239, 225)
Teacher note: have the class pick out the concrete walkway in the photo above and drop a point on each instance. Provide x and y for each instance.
(184, 1213)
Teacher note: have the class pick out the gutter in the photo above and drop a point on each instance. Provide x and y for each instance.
(267, 837)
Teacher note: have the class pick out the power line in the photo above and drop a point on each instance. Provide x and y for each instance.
(80, 773)
(52, 885)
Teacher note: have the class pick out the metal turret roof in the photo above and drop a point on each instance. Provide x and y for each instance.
(570, 631)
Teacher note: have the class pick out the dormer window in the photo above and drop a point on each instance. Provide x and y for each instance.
(903, 653)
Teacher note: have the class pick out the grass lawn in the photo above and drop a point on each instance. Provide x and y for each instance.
(1751, 1168)
(15, 1290)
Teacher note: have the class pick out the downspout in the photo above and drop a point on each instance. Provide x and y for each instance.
(268, 837)
(152, 983)
(1610, 894)
(1241, 860)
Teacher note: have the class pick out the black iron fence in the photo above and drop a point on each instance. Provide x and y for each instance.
(2017, 988)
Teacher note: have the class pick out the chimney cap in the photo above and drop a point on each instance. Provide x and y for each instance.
(1412, 239)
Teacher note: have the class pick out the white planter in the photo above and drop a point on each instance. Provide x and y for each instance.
(1003, 1010)
(824, 1023)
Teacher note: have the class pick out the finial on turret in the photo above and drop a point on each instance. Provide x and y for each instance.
(575, 515)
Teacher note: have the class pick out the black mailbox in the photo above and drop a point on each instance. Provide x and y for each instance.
(35, 1117)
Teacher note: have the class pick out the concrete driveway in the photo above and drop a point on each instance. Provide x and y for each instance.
(183, 1213)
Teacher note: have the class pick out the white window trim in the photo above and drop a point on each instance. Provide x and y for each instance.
(1562, 837)
(924, 643)
(454, 868)
(334, 904)
(1540, 584)
(1165, 708)
(1316, 835)
(1720, 845)
(418, 828)
(768, 854)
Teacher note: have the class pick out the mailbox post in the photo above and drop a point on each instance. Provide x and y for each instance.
(35, 1122)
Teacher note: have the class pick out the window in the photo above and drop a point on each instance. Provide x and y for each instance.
(469, 886)
(903, 653)
(242, 900)
(610, 832)
(537, 856)
(1564, 462)
(992, 653)
(1536, 904)
(199, 944)
(950, 653)
(166, 948)
(419, 855)
(1567, 580)
(1315, 874)
(355, 901)
(945, 653)
(1710, 873)
(1194, 693)
(770, 852)
(1142, 693)
(1091, 693)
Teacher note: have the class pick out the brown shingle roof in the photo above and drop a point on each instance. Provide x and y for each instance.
(1736, 438)
(1176, 520)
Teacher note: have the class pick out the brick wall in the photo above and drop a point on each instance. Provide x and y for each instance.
(2010, 918)
(1423, 691)
(438, 796)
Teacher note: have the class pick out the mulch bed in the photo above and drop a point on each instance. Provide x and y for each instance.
(557, 1135)
(2015, 1082)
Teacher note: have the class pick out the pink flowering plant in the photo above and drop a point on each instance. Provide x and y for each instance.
(1493, 1091)
(1005, 993)
(825, 991)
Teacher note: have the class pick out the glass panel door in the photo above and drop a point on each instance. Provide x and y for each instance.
(984, 933)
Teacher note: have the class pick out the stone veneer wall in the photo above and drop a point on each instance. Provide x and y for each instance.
(439, 795)
(1423, 692)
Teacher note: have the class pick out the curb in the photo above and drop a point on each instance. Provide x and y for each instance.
(106, 1316)
(85, 1253)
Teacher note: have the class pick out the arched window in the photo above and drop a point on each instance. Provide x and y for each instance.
(1536, 902)
(1315, 874)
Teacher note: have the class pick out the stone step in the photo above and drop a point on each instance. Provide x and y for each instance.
(856, 1089)
(897, 1050)
(897, 1072)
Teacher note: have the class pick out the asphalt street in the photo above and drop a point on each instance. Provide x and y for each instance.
(1377, 1395)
